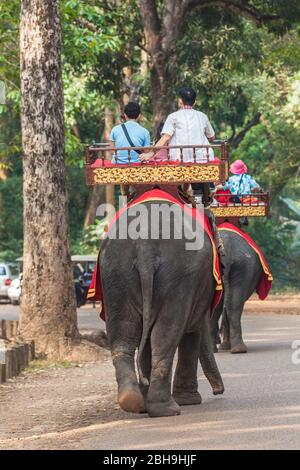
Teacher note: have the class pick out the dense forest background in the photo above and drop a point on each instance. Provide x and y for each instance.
(245, 69)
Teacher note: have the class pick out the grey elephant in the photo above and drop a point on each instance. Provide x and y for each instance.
(242, 274)
(157, 298)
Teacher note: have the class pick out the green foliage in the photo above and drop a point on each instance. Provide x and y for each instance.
(11, 213)
(83, 109)
(9, 57)
(237, 68)
(78, 195)
(91, 238)
(39, 365)
(99, 40)
(291, 208)
(89, 29)
(273, 147)
(282, 254)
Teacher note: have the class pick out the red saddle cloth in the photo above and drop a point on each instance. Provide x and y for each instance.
(95, 292)
(265, 283)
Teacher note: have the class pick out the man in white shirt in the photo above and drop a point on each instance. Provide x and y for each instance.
(189, 127)
(186, 127)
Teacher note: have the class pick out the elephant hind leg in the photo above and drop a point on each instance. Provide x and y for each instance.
(124, 331)
(146, 365)
(208, 361)
(214, 325)
(185, 386)
(225, 344)
(159, 401)
(130, 397)
(234, 311)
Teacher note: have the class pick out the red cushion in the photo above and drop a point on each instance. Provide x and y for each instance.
(107, 163)
(222, 196)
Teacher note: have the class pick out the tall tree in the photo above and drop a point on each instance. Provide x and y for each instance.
(164, 24)
(48, 312)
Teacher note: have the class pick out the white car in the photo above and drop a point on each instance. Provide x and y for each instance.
(14, 291)
(8, 273)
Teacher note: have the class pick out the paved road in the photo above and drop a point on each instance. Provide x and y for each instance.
(88, 317)
(259, 410)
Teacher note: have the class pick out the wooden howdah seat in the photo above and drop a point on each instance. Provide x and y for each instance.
(170, 174)
(100, 170)
(253, 205)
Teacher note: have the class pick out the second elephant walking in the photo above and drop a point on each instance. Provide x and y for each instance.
(242, 274)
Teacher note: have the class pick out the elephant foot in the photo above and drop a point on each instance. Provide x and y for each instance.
(225, 346)
(131, 401)
(156, 410)
(239, 349)
(186, 398)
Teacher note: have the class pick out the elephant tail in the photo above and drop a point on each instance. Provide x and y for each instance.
(147, 277)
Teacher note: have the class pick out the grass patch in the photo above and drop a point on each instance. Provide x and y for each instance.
(285, 291)
(44, 364)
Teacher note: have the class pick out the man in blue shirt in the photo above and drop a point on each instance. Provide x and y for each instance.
(130, 134)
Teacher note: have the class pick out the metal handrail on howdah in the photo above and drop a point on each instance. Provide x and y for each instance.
(233, 200)
(93, 151)
(232, 207)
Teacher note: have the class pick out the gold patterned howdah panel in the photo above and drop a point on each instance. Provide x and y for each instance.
(156, 174)
(239, 211)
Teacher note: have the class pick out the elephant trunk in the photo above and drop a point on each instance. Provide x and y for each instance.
(207, 360)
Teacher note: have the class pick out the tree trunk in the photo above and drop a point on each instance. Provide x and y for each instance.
(161, 98)
(108, 123)
(48, 312)
(110, 188)
(160, 40)
(96, 197)
(163, 26)
(144, 69)
(100, 193)
(131, 89)
(3, 174)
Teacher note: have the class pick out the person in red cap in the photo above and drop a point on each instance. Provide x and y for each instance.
(240, 183)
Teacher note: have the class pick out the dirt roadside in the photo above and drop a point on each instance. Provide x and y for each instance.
(274, 304)
(57, 400)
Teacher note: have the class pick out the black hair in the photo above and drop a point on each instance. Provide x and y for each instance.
(132, 110)
(188, 95)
